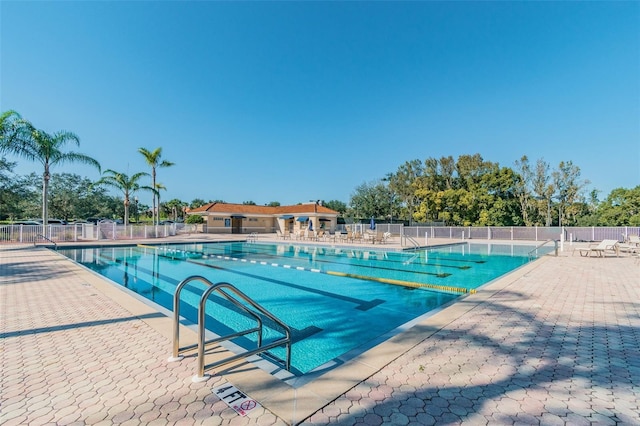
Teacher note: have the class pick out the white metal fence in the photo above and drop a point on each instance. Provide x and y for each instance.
(113, 231)
(525, 233)
(86, 232)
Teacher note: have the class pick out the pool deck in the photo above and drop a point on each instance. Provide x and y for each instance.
(555, 342)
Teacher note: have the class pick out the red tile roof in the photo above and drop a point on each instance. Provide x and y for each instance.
(266, 210)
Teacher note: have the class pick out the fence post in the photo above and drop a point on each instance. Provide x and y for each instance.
(426, 238)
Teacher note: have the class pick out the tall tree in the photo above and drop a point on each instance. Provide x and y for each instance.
(370, 200)
(336, 205)
(543, 189)
(154, 159)
(125, 184)
(521, 189)
(47, 149)
(156, 192)
(403, 183)
(622, 207)
(566, 179)
(175, 208)
(11, 125)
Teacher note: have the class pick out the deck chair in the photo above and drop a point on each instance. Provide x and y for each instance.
(600, 249)
(633, 240)
(383, 239)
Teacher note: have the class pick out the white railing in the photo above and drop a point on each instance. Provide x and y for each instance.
(514, 233)
(84, 232)
(113, 231)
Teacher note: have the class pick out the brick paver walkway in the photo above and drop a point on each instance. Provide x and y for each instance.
(559, 345)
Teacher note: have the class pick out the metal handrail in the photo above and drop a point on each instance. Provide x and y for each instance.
(555, 242)
(55, 245)
(411, 240)
(224, 289)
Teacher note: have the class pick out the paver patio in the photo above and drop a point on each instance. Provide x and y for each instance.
(556, 342)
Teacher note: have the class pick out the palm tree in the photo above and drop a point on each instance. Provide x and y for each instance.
(10, 126)
(153, 159)
(158, 187)
(38, 145)
(128, 186)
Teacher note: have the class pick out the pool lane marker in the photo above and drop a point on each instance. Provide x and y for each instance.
(404, 283)
(355, 276)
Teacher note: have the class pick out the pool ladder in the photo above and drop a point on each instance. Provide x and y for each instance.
(533, 254)
(405, 238)
(55, 245)
(232, 294)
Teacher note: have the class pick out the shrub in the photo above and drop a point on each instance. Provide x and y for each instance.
(191, 219)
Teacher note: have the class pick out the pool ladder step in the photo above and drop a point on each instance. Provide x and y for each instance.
(250, 307)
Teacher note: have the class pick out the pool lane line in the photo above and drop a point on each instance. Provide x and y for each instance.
(262, 262)
(403, 283)
(346, 275)
(298, 334)
(344, 254)
(301, 268)
(146, 246)
(361, 304)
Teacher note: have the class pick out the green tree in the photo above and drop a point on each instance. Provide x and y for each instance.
(125, 184)
(156, 192)
(248, 203)
(28, 193)
(194, 219)
(154, 159)
(71, 196)
(370, 200)
(403, 185)
(620, 208)
(175, 208)
(6, 168)
(11, 125)
(273, 204)
(522, 185)
(47, 149)
(197, 202)
(566, 179)
(336, 205)
(543, 190)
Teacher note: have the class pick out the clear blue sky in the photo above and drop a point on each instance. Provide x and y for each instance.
(298, 101)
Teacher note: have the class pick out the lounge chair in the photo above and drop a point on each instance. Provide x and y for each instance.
(383, 239)
(600, 249)
(633, 240)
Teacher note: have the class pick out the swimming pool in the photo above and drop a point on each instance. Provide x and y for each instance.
(336, 300)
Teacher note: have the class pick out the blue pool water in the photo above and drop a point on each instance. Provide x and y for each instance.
(336, 300)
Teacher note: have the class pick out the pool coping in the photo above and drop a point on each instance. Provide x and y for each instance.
(294, 404)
